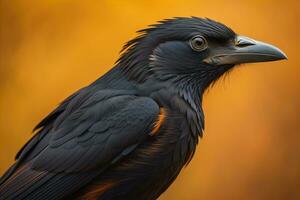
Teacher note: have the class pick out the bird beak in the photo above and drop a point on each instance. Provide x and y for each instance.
(244, 50)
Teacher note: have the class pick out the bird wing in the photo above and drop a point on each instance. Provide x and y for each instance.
(105, 127)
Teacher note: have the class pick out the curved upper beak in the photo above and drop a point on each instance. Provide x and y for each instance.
(244, 50)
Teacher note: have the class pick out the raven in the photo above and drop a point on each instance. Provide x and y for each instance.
(127, 135)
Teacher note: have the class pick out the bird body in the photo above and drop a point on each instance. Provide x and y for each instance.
(129, 133)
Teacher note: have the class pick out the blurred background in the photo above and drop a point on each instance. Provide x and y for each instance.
(251, 146)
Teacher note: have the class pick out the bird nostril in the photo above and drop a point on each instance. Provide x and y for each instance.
(243, 42)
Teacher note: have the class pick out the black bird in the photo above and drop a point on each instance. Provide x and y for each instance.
(128, 134)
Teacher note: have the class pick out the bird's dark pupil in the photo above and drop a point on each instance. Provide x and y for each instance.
(198, 42)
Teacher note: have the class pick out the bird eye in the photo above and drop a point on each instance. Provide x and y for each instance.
(198, 43)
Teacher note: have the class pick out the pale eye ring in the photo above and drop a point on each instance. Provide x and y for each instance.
(198, 43)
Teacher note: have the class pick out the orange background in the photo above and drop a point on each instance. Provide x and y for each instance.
(251, 147)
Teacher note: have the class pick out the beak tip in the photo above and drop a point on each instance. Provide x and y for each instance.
(285, 57)
(282, 56)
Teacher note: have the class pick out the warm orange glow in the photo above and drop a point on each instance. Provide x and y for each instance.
(95, 191)
(251, 144)
(160, 119)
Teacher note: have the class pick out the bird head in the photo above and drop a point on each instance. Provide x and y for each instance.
(190, 51)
